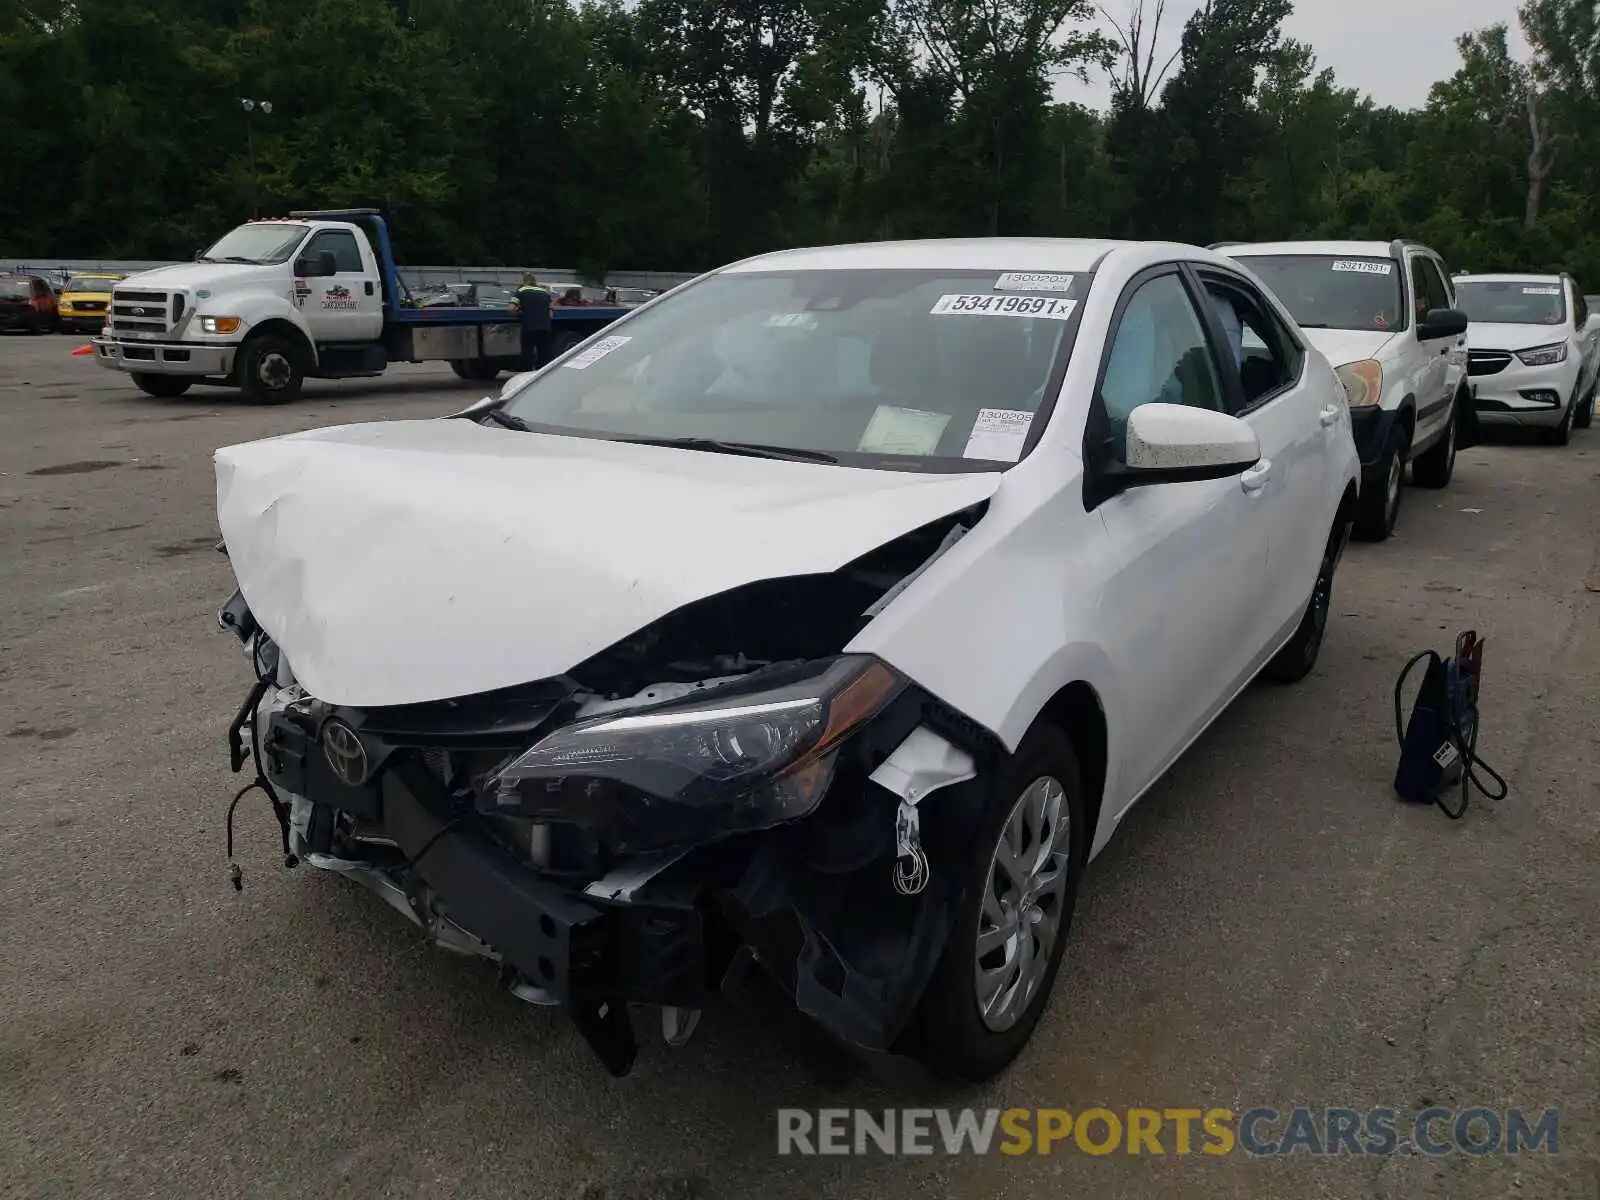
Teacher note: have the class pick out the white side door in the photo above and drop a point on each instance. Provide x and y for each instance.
(1187, 575)
(1296, 420)
(1432, 391)
(346, 306)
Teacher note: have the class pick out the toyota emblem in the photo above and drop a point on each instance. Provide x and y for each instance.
(345, 754)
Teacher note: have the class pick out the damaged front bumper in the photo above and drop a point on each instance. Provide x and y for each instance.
(812, 905)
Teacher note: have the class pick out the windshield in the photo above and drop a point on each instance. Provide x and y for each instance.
(15, 289)
(911, 370)
(1322, 291)
(89, 283)
(1512, 302)
(265, 244)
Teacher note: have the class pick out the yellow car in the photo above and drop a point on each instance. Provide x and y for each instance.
(85, 300)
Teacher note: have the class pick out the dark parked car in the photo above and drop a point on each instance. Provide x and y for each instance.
(27, 302)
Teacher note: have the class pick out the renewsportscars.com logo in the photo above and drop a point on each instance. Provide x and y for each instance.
(1259, 1132)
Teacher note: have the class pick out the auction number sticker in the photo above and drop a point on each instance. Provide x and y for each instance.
(1541, 291)
(597, 351)
(1032, 281)
(1053, 308)
(1360, 267)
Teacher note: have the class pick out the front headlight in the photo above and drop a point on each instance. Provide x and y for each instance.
(686, 773)
(1363, 382)
(219, 324)
(1544, 356)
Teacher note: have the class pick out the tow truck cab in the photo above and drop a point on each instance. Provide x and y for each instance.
(314, 294)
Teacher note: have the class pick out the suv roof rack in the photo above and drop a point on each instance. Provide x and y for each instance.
(1220, 245)
(1399, 244)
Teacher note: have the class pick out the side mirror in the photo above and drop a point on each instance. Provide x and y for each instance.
(316, 266)
(1174, 443)
(1442, 323)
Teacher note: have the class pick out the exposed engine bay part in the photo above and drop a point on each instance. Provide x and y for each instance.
(923, 763)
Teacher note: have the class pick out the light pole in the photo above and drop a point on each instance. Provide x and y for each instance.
(251, 107)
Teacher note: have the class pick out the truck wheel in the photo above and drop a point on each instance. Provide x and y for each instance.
(1435, 465)
(1379, 508)
(163, 387)
(271, 370)
(474, 368)
(1005, 946)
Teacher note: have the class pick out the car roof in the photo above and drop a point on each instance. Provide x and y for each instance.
(1510, 277)
(958, 254)
(1354, 249)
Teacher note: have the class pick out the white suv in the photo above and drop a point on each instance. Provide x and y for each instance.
(1384, 313)
(1533, 353)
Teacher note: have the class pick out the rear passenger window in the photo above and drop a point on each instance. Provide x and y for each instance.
(1263, 352)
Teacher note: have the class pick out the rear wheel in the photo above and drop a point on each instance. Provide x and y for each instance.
(164, 387)
(474, 368)
(1005, 947)
(271, 370)
(1434, 467)
(1379, 507)
(1297, 658)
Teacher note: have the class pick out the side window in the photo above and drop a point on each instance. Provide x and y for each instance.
(1256, 341)
(1159, 354)
(340, 243)
(1427, 287)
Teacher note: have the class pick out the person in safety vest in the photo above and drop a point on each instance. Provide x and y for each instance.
(532, 304)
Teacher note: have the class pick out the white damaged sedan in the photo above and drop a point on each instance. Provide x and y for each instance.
(808, 631)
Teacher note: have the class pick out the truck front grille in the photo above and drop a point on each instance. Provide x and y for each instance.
(144, 312)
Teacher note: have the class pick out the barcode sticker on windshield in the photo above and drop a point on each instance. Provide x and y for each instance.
(1053, 308)
(597, 351)
(1032, 281)
(1363, 268)
(1541, 291)
(998, 434)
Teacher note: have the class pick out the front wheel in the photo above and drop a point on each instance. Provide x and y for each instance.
(163, 387)
(1379, 509)
(1585, 415)
(1005, 946)
(271, 370)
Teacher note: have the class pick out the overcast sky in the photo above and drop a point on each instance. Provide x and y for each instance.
(1392, 50)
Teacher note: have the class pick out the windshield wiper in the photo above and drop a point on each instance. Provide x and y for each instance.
(718, 446)
(509, 420)
(254, 262)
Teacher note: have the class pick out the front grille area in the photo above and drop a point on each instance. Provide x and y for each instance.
(143, 312)
(1487, 362)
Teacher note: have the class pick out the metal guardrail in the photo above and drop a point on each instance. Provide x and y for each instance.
(416, 278)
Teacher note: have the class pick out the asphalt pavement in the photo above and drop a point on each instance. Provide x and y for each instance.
(1269, 928)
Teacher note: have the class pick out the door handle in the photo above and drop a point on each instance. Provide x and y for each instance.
(369, 287)
(1256, 477)
(1329, 415)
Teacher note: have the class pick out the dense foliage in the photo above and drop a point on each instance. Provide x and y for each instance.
(677, 134)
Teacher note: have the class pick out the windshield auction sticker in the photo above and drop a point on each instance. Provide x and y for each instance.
(1053, 308)
(1360, 267)
(1541, 291)
(597, 351)
(1032, 281)
(998, 434)
(903, 431)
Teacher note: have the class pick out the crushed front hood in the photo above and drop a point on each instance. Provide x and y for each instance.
(406, 561)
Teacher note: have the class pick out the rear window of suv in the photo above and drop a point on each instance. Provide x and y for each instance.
(1327, 291)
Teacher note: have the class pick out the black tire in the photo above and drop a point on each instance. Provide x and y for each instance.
(1585, 414)
(477, 369)
(1434, 467)
(1378, 511)
(1298, 657)
(952, 1037)
(1561, 435)
(562, 342)
(163, 387)
(272, 370)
